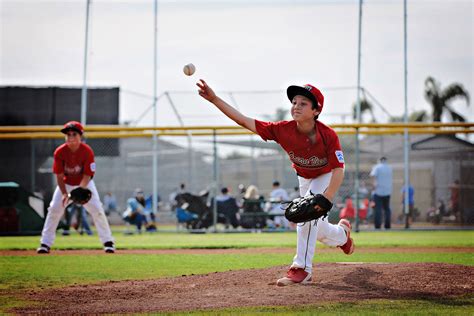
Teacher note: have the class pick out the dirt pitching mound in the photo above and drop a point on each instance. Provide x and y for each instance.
(332, 282)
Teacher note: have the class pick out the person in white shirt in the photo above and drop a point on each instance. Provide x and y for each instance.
(277, 196)
(382, 175)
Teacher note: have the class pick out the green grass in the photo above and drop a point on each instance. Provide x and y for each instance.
(20, 273)
(169, 240)
(457, 306)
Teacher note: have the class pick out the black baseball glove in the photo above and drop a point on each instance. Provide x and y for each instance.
(308, 208)
(80, 195)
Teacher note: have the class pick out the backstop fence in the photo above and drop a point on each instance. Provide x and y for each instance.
(441, 164)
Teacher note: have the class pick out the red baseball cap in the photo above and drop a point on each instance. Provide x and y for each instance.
(309, 91)
(73, 126)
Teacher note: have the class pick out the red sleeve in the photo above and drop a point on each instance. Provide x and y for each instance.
(266, 130)
(89, 163)
(58, 162)
(334, 150)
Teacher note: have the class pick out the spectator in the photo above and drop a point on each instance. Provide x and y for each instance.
(227, 206)
(252, 216)
(81, 224)
(382, 175)
(135, 212)
(348, 211)
(182, 188)
(150, 213)
(242, 189)
(110, 203)
(252, 200)
(277, 196)
(411, 202)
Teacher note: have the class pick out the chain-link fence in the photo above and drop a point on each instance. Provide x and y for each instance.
(440, 167)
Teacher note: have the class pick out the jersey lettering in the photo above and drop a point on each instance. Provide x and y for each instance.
(312, 162)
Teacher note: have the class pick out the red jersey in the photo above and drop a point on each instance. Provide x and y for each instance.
(74, 164)
(309, 160)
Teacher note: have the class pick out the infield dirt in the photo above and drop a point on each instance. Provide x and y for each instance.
(332, 283)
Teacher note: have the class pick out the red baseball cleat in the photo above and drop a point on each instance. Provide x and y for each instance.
(349, 246)
(294, 276)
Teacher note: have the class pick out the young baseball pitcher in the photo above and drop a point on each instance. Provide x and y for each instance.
(317, 158)
(74, 167)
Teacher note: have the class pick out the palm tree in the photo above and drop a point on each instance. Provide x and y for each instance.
(439, 98)
(365, 106)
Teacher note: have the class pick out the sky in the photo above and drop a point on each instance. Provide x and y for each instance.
(254, 49)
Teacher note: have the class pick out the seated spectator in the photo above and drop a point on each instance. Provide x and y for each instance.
(227, 206)
(253, 216)
(134, 214)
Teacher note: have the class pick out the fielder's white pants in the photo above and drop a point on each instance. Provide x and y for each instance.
(321, 229)
(93, 207)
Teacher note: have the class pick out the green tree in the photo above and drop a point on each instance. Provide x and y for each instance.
(365, 107)
(439, 99)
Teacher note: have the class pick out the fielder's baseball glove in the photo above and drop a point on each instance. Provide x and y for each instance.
(308, 208)
(80, 195)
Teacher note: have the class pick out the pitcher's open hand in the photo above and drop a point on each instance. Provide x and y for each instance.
(205, 91)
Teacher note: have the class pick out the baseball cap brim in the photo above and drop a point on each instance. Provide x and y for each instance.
(67, 129)
(293, 91)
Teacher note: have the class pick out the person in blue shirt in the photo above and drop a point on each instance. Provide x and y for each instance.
(383, 176)
(411, 201)
(135, 212)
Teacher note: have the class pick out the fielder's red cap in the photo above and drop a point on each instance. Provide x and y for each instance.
(309, 91)
(73, 126)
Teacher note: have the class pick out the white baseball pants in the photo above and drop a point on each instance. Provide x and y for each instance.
(93, 207)
(321, 229)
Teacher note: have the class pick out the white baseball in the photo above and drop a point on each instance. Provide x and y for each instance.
(189, 69)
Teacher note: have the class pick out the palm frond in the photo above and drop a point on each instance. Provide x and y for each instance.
(456, 117)
(432, 89)
(454, 90)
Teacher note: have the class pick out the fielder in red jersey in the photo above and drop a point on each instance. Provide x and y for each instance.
(318, 160)
(74, 164)
(74, 167)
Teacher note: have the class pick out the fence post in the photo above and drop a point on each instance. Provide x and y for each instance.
(215, 186)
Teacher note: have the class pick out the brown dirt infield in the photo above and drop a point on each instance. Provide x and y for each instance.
(291, 250)
(332, 283)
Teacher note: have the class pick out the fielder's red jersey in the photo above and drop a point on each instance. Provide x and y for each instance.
(74, 164)
(309, 160)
